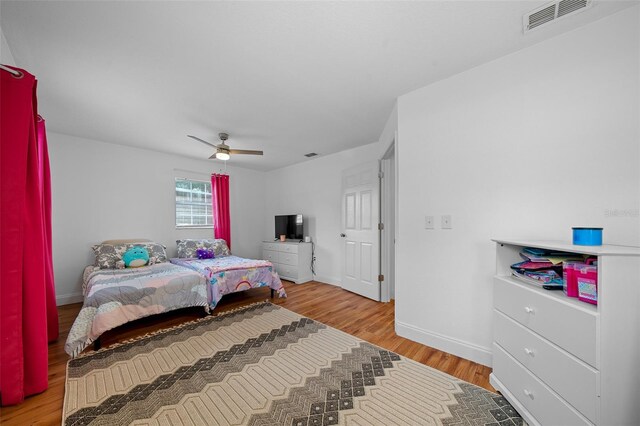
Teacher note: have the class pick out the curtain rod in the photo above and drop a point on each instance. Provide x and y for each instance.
(192, 172)
(11, 71)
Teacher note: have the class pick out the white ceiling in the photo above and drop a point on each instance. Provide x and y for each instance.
(285, 77)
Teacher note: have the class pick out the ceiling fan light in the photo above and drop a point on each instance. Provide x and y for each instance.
(222, 156)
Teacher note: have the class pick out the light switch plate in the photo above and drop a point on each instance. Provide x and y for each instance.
(429, 222)
(446, 222)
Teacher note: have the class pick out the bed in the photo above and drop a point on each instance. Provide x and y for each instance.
(229, 274)
(113, 297)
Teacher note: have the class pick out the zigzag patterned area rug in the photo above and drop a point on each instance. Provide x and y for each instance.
(266, 365)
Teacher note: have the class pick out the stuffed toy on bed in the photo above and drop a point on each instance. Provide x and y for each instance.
(135, 257)
(205, 253)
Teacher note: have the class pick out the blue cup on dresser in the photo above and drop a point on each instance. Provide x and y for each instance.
(587, 236)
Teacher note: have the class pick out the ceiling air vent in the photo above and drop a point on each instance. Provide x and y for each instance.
(553, 11)
(311, 154)
(566, 7)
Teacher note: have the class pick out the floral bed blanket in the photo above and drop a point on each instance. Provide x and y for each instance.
(116, 296)
(229, 274)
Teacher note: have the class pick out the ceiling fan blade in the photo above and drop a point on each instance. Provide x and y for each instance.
(245, 151)
(200, 140)
(213, 157)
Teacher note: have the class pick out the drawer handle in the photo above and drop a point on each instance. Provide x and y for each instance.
(529, 394)
(529, 352)
(529, 310)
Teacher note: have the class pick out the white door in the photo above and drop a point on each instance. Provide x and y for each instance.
(360, 215)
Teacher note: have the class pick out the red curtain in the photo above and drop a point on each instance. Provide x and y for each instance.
(28, 313)
(221, 219)
(45, 187)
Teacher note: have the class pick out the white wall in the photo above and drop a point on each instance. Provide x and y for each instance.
(314, 189)
(6, 57)
(105, 191)
(388, 134)
(526, 146)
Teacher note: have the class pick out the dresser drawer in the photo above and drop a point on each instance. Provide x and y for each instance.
(543, 404)
(286, 271)
(270, 246)
(289, 248)
(566, 325)
(570, 378)
(288, 259)
(270, 255)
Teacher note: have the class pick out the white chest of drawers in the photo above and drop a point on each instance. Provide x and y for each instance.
(291, 260)
(560, 361)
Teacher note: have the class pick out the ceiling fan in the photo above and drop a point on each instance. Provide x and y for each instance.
(222, 149)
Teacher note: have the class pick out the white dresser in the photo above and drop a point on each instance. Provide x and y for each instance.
(560, 361)
(291, 260)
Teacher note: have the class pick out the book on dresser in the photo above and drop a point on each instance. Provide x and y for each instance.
(291, 259)
(558, 360)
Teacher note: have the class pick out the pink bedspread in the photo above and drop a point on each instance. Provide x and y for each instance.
(230, 274)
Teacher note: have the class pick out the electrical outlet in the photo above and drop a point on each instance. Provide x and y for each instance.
(446, 222)
(428, 222)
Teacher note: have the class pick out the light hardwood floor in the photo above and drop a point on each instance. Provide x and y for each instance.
(349, 312)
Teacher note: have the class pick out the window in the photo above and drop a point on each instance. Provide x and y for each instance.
(193, 204)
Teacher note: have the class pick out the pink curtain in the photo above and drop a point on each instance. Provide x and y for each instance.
(45, 187)
(220, 195)
(28, 313)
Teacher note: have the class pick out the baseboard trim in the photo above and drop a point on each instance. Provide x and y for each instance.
(327, 280)
(67, 299)
(457, 347)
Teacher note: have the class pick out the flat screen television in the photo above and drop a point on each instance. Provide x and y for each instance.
(289, 225)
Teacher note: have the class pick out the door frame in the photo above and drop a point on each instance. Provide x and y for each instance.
(388, 236)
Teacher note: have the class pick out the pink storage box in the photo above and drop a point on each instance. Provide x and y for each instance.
(569, 282)
(587, 279)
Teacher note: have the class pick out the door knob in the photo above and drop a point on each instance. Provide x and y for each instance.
(343, 235)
